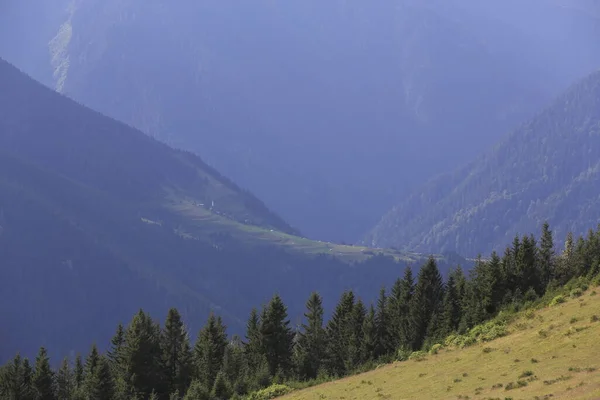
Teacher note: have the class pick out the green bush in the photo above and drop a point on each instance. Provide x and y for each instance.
(577, 292)
(418, 356)
(435, 349)
(557, 300)
(271, 392)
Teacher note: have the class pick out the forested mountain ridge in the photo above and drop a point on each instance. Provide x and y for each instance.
(98, 219)
(312, 106)
(547, 169)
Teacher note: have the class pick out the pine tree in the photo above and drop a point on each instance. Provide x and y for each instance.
(78, 371)
(369, 336)
(114, 354)
(481, 291)
(16, 380)
(407, 335)
(210, 350)
(197, 391)
(65, 382)
(235, 367)
(177, 353)
(546, 254)
(43, 378)
(425, 302)
(277, 337)
(142, 357)
(338, 332)
(221, 389)
(253, 346)
(355, 344)
(527, 265)
(395, 314)
(451, 309)
(382, 346)
(310, 349)
(98, 383)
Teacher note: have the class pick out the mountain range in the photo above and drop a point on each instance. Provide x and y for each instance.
(318, 108)
(91, 209)
(546, 170)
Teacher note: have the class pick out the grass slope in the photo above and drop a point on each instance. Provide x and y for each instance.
(553, 352)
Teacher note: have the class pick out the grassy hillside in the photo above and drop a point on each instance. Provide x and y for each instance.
(546, 169)
(548, 353)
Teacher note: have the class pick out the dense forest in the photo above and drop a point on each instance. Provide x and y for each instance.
(148, 361)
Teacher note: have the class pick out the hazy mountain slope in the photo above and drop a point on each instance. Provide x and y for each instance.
(318, 108)
(547, 169)
(91, 208)
(111, 156)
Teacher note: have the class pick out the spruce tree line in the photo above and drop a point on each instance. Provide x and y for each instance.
(147, 361)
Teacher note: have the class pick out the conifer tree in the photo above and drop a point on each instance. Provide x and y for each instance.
(44, 385)
(527, 265)
(253, 346)
(425, 302)
(78, 371)
(546, 255)
(357, 336)
(221, 389)
(338, 332)
(197, 391)
(114, 354)
(98, 383)
(403, 310)
(369, 336)
(16, 380)
(177, 353)
(235, 367)
(395, 314)
(451, 309)
(142, 356)
(277, 337)
(382, 321)
(310, 348)
(65, 382)
(210, 350)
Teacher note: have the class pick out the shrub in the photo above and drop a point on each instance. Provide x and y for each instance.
(530, 314)
(594, 318)
(418, 356)
(557, 300)
(526, 374)
(271, 392)
(573, 320)
(403, 354)
(577, 292)
(435, 349)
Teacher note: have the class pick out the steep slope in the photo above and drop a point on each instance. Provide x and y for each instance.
(558, 345)
(547, 169)
(313, 106)
(110, 156)
(92, 209)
